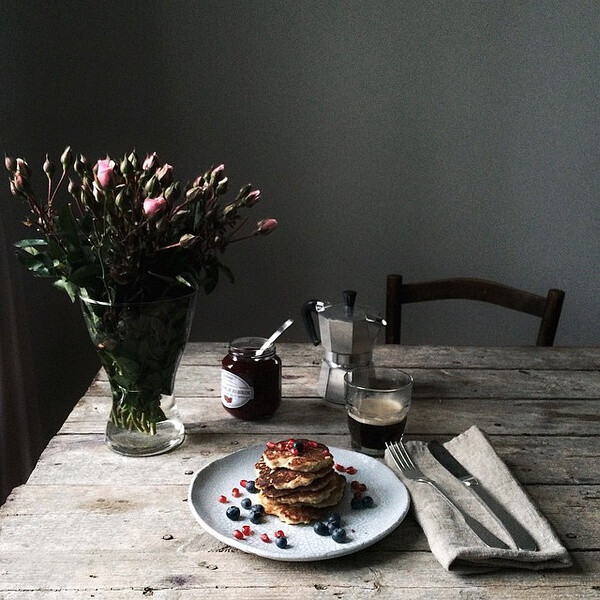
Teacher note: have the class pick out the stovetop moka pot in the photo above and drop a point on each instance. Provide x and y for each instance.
(347, 334)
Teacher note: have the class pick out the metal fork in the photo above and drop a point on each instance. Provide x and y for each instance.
(405, 463)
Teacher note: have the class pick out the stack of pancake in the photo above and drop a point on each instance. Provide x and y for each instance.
(297, 482)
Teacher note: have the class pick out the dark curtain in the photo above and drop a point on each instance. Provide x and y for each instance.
(20, 438)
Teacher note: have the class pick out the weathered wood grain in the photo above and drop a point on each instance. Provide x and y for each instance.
(90, 523)
(159, 510)
(447, 416)
(353, 576)
(434, 357)
(428, 383)
(68, 459)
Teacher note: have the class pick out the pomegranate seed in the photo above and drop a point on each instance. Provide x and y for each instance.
(271, 445)
(222, 499)
(290, 443)
(295, 451)
(358, 495)
(279, 533)
(340, 468)
(235, 493)
(312, 444)
(350, 470)
(326, 453)
(362, 487)
(238, 534)
(355, 485)
(247, 530)
(243, 483)
(280, 446)
(265, 538)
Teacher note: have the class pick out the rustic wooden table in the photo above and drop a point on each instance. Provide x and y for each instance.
(90, 523)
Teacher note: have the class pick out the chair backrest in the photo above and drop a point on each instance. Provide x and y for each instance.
(548, 307)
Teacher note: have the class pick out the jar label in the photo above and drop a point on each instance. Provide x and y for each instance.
(235, 392)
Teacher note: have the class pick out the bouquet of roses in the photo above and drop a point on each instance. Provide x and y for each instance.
(130, 233)
(134, 245)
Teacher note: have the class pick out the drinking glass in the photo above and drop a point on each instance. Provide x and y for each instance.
(377, 402)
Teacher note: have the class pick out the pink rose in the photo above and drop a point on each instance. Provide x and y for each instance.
(150, 162)
(105, 172)
(266, 226)
(154, 205)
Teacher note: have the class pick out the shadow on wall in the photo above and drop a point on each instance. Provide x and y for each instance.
(46, 364)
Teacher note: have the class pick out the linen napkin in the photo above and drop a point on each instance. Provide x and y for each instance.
(451, 541)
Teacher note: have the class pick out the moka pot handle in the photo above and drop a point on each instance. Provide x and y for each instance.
(308, 309)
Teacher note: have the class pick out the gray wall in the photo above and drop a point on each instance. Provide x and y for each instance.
(434, 139)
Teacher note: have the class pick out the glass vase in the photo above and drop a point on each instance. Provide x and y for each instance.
(140, 346)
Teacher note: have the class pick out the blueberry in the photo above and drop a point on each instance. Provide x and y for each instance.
(339, 535)
(246, 503)
(321, 528)
(233, 513)
(367, 502)
(281, 542)
(258, 508)
(298, 446)
(356, 503)
(251, 487)
(334, 518)
(333, 526)
(255, 517)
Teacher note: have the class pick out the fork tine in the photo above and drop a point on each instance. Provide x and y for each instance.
(398, 459)
(402, 449)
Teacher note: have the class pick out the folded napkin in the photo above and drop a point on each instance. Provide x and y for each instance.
(452, 542)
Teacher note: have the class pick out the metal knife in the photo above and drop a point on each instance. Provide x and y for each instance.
(517, 532)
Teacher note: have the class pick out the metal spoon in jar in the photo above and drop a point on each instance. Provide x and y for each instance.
(275, 335)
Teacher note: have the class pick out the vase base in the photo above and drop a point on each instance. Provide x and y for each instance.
(169, 434)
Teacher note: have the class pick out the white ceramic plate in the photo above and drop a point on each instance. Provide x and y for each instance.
(364, 527)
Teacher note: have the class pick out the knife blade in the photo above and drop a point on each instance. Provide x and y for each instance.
(517, 532)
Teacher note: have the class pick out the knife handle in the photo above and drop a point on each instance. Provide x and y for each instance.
(484, 534)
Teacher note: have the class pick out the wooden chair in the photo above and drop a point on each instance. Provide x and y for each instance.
(547, 307)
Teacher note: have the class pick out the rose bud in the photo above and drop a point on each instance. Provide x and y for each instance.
(165, 175)
(154, 205)
(10, 163)
(216, 172)
(126, 167)
(105, 172)
(266, 226)
(172, 192)
(48, 167)
(20, 183)
(187, 240)
(150, 162)
(67, 158)
(252, 198)
(82, 166)
(23, 168)
(222, 186)
(134, 160)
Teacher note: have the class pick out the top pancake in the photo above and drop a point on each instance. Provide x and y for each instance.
(313, 457)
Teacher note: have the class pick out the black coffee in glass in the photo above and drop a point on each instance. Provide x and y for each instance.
(377, 402)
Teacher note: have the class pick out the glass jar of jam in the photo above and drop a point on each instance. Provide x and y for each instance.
(250, 384)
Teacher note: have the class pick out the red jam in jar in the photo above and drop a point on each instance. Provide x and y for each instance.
(250, 383)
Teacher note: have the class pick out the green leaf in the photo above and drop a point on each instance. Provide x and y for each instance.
(30, 242)
(39, 264)
(67, 286)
